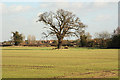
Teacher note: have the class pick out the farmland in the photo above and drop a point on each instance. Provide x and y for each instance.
(43, 62)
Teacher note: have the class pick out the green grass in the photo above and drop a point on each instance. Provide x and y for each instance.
(43, 62)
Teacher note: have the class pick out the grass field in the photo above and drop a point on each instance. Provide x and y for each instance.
(40, 62)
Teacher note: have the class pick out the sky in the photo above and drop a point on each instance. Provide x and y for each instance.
(22, 16)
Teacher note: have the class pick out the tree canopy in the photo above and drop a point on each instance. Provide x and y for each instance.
(17, 38)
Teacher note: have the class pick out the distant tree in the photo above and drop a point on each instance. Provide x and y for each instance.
(117, 31)
(55, 42)
(23, 37)
(89, 36)
(82, 36)
(61, 24)
(17, 38)
(83, 40)
(115, 40)
(115, 43)
(103, 38)
(31, 39)
(103, 35)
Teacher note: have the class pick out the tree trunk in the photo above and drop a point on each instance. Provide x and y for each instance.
(81, 41)
(59, 43)
(16, 43)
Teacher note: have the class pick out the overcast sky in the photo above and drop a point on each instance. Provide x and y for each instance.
(22, 16)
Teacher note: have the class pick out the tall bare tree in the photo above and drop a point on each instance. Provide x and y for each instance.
(31, 39)
(89, 36)
(60, 24)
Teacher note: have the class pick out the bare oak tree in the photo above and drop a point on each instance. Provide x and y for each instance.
(60, 24)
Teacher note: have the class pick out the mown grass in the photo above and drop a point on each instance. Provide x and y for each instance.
(43, 62)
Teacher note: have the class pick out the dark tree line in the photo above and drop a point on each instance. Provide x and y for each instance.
(115, 40)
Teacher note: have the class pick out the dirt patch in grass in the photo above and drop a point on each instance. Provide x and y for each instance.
(102, 74)
(106, 74)
(26, 66)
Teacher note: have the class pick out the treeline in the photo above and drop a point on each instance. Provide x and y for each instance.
(101, 40)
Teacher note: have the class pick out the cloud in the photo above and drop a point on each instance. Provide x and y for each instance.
(105, 0)
(60, 0)
(19, 8)
(36, 0)
(100, 4)
(60, 5)
(14, 8)
(102, 17)
(89, 6)
(68, 5)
